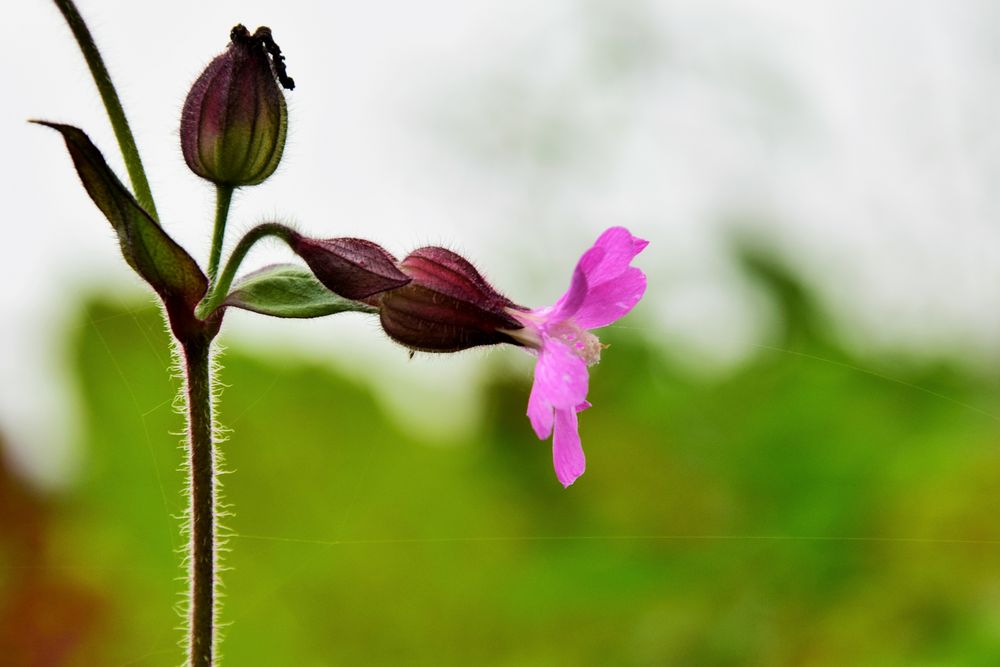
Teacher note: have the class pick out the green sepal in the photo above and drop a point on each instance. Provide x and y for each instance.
(147, 248)
(289, 290)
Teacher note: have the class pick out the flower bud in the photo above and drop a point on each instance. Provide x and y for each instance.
(448, 306)
(353, 268)
(234, 120)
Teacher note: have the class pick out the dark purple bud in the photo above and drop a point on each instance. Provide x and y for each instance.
(235, 119)
(447, 307)
(353, 268)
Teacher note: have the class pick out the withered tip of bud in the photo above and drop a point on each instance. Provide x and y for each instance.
(262, 36)
(239, 33)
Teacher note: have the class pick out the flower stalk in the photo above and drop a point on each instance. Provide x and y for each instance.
(202, 488)
(223, 198)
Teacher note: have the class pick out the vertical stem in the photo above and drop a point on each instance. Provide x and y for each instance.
(126, 142)
(224, 197)
(201, 613)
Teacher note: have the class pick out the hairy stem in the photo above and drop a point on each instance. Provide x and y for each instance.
(224, 197)
(126, 142)
(217, 292)
(201, 493)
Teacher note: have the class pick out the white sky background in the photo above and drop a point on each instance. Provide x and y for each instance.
(862, 138)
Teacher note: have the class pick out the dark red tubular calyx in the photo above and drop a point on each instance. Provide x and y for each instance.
(448, 306)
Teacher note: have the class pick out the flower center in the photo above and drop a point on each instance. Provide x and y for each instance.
(584, 344)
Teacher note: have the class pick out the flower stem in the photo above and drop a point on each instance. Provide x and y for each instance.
(126, 142)
(224, 197)
(217, 293)
(201, 492)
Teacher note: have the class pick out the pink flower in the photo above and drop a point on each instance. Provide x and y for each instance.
(447, 306)
(604, 288)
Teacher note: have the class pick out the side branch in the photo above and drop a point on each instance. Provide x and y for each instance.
(220, 287)
(126, 142)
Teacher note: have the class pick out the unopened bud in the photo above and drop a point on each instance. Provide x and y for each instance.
(448, 306)
(353, 268)
(235, 119)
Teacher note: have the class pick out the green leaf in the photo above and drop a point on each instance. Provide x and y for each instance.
(147, 248)
(288, 290)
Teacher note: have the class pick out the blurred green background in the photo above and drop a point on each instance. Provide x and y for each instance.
(794, 450)
(805, 509)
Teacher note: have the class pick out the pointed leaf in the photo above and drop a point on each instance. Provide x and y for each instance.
(148, 249)
(288, 290)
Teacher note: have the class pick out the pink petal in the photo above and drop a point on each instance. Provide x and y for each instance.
(560, 376)
(569, 302)
(560, 383)
(540, 412)
(567, 453)
(619, 248)
(611, 300)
